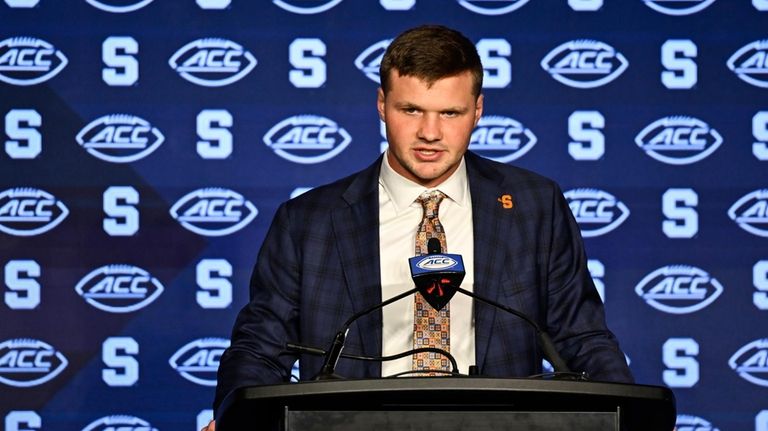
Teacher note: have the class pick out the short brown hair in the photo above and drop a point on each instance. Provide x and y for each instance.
(432, 52)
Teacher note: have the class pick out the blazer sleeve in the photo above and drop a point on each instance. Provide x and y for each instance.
(257, 353)
(575, 313)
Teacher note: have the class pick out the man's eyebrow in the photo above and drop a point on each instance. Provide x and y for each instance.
(407, 105)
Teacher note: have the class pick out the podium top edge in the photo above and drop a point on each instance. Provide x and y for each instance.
(367, 386)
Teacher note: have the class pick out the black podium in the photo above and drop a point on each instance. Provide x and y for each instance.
(447, 404)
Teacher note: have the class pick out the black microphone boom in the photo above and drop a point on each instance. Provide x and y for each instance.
(333, 355)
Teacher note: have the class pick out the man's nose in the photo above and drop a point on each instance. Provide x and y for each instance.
(429, 129)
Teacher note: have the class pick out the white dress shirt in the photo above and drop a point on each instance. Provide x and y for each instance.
(399, 217)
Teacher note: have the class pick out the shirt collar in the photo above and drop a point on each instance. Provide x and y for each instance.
(403, 192)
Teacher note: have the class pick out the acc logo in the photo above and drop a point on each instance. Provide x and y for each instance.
(119, 288)
(750, 63)
(678, 140)
(120, 138)
(119, 6)
(498, 7)
(584, 63)
(693, 423)
(27, 362)
(119, 423)
(307, 139)
(679, 289)
(213, 211)
(678, 7)
(597, 212)
(306, 7)
(501, 138)
(29, 61)
(751, 362)
(751, 212)
(212, 62)
(198, 360)
(436, 261)
(369, 61)
(29, 212)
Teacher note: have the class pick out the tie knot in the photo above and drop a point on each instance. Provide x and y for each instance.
(430, 201)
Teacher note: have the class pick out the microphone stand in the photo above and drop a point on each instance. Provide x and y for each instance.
(333, 355)
(298, 348)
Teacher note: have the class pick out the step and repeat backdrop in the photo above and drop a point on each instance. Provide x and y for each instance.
(145, 146)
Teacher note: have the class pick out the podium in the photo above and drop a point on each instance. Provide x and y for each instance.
(448, 404)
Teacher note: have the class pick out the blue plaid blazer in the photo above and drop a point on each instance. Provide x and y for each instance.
(319, 264)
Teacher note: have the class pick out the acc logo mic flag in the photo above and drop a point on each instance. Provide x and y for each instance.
(437, 276)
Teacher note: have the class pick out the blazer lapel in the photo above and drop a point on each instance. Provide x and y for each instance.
(356, 228)
(491, 228)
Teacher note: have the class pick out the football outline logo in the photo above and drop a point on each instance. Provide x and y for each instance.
(85, 285)
(369, 61)
(657, 151)
(31, 43)
(97, 149)
(234, 72)
(512, 6)
(578, 195)
(235, 221)
(561, 74)
(693, 423)
(306, 10)
(276, 139)
(193, 349)
(517, 147)
(698, 6)
(31, 194)
(119, 422)
(671, 273)
(30, 344)
(760, 207)
(745, 73)
(114, 8)
(749, 360)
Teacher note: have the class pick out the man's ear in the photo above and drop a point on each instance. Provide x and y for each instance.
(380, 104)
(478, 108)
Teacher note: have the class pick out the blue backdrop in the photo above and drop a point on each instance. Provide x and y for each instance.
(146, 145)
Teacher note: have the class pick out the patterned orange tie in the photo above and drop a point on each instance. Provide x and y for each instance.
(431, 328)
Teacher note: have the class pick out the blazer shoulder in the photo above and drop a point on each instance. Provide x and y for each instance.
(508, 176)
(340, 193)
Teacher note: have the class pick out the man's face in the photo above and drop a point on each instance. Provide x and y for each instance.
(428, 128)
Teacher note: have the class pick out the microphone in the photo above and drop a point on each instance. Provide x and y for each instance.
(438, 277)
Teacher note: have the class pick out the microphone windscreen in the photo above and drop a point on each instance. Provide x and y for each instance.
(433, 246)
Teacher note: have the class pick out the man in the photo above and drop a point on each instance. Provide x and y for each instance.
(343, 247)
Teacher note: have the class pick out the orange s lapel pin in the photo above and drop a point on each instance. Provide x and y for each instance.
(506, 201)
